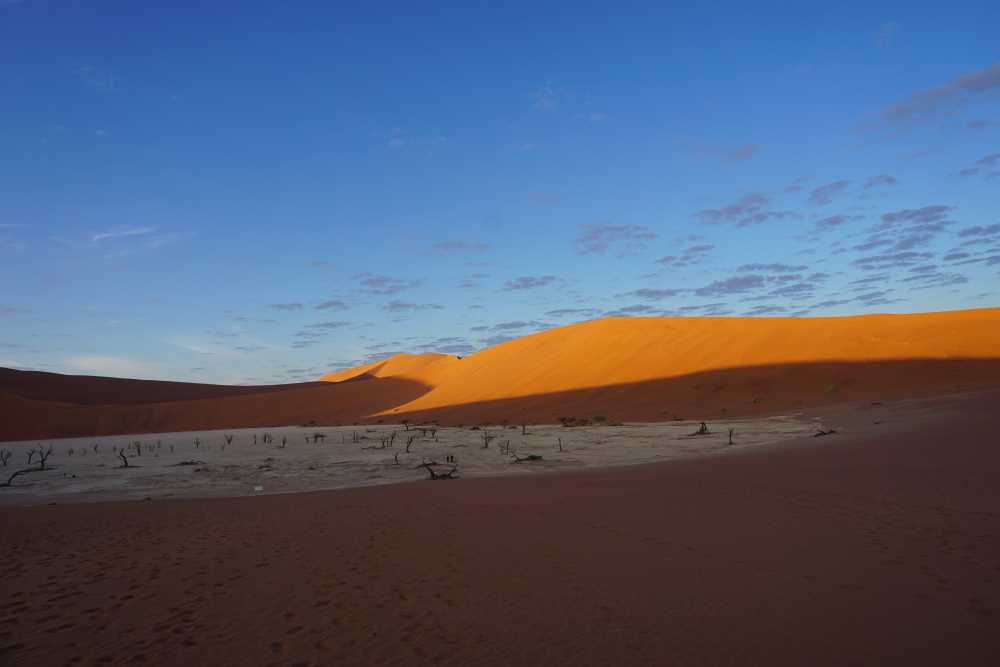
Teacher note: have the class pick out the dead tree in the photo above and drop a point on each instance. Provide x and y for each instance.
(731, 431)
(197, 443)
(229, 438)
(284, 441)
(409, 441)
(702, 430)
(43, 456)
(560, 444)
(406, 424)
(5, 456)
(121, 455)
(487, 438)
(396, 456)
(524, 429)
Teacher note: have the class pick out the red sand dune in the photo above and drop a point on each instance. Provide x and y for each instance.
(876, 546)
(620, 368)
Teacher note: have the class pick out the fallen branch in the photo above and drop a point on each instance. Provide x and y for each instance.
(439, 475)
(10, 480)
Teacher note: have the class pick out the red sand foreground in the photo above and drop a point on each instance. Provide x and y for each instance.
(877, 545)
(626, 369)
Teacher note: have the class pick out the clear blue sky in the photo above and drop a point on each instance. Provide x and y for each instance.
(243, 192)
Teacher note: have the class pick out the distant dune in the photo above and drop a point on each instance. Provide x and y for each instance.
(621, 368)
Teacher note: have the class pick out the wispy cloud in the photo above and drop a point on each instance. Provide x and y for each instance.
(120, 232)
(983, 124)
(693, 255)
(773, 268)
(750, 209)
(880, 181)
(397, 306)
(328, 326)
(332, 304)
(287, 307)
(600, 238)
(825, 194)
(528, 282)
(383, 285)
(930, 100)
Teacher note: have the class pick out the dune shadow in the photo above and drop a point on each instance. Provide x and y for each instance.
(726, 392)
(733, 392)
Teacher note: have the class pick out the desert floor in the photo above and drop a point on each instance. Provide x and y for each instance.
(207, 464)
(877, 545)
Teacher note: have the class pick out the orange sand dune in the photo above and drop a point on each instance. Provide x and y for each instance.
(617, 355)
(621, 368)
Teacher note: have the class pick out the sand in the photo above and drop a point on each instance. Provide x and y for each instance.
(877, 545)
(626, 369)
(210, 464)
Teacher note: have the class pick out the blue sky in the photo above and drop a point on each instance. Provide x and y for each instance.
(233, 192)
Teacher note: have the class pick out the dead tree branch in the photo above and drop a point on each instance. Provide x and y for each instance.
(434, 475)
(10, 480)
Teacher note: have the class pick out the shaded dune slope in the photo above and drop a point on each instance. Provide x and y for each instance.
(619, 368)
(96, 390)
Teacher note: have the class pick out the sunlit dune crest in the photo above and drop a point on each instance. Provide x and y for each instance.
(623, 351)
